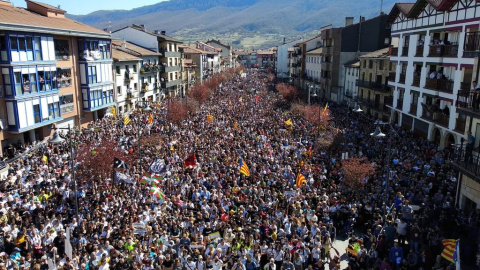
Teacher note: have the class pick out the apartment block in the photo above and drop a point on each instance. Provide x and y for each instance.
(54, 70)
(435, 47)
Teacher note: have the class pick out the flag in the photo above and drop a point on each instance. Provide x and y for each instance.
(326, 106)
(257, 99)
(126, 120)
(230, 103)
(157, 166)
(155, 191)
(190, 162)
(450, 249)
(300, 180)
(114, 113)
(209, 119)
(150, 119)
(117, 163)
(235, 126)
(289, 122)
(150, 179)
(310, 152)
(45, 159)
(244, 168)
(121, 177)
(171, 147)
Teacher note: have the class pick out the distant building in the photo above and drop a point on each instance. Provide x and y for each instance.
(54, 70)
(226, 54)
(352, 70)
(157, 41)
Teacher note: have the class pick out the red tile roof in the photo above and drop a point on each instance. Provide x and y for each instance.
(15, 18)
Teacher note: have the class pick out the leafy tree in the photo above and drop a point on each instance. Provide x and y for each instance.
(176, 111)
(355, 170)
(288, 92)
(200, 93)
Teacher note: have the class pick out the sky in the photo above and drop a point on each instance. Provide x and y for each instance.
(86, 6)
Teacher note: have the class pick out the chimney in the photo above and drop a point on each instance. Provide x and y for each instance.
(283, 40)
(142, 26)
(348, 21)
(362, 19)
(157, 32)
(124, 45)
(163, 33)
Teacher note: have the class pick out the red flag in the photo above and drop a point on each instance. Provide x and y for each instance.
(190, 162)
(257, 99)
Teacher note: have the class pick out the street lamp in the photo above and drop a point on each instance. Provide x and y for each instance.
(357, 109)
(147, 109)
(58, 140)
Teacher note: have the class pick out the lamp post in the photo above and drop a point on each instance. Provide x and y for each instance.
(58, 140)
(139, 142)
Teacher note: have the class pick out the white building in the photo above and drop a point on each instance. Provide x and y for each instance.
(283, 61)
(352, 71)
(125, 69)
(436, 49)
(313, 67)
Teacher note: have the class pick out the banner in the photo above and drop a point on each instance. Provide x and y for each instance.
(120, 177)
(157, 166)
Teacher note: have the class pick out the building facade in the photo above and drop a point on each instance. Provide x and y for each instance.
(226, 54)
(352, 73)
(168, 47)
(53, 71)
(375, 96)
(435, 47)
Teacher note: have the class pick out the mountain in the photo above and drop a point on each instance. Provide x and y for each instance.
(250, 24)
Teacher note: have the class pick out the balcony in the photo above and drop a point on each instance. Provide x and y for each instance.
(419, 51)
(127, 80)
(400, 103)
(166, 69)
(459, 162)
(401, 78)
(167, 84)
(465, 103)
(405, 51)
(149, 68)
(443, 51)
(472, 45)
(391, 76)
(435, 116)
(394, 51)
(416, 81)
(67, 108)
(366, 102)
(373, 85)
(387, 101)
(443, 85)
(167, 54)
(413, 109)
(144, 88)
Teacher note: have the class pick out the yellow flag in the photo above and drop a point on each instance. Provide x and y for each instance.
(45, 159)
(114, 113)
(235, 125)
(126, 120)
(289, 122)
(209, 119)
(171, 147)
(230, 103)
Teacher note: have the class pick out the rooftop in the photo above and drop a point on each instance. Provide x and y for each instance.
(382, 53)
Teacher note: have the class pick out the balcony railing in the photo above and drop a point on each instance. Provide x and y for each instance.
(436, 116)
(400, 103)
(472, 44)
(372, 85)
(443, 51)
(413, 109)
(468, 164)
(405, 51)
(416, 81)
(419, 51)
(466, 98)
(394, 51)
(401, 78)
(66, 108)
(443, 85)
(387, 101)
(391, 76)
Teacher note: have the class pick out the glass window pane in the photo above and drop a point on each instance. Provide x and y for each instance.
(14, 43)
(29, 44)
(21, 43)
(37, 43)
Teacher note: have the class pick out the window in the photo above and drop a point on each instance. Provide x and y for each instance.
(18, 83)
(119, 90)
(66, 104)
(380, 65)
(51, 110)
(62, 49)
(29, 46)
(36, 113)
(3, 49)
(370, 63)
(135, 68)
(135, 86)
(117, 70)
(64, 77)
(92, 75)
(149, 79)
(7, 84)
(38, 50)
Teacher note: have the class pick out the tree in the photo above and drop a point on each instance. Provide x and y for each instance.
(288, 92)
(354, 170)
(298, 109)
(95, 160)
(200, 93)
(317, 115)
(176, 111)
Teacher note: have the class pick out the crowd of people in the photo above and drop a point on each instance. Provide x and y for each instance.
(212, 216)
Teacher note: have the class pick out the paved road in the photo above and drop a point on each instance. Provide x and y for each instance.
(341, 245)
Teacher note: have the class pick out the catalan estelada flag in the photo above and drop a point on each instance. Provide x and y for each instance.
(450, 249)
(150, 119)
(244, 168)
(289, 122)
(126, 120)
(300, 180)
(209, 119)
